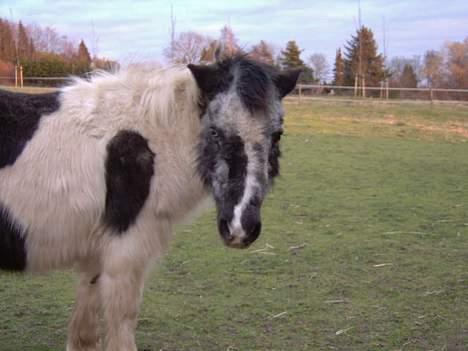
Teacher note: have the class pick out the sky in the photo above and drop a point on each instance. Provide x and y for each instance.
(139, 30)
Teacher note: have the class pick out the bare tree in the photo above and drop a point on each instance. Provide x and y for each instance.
(457, 64)
(397, 65)
(228, 41)
(187, 48)
(262, 52)
(433, 68)
(320, 66)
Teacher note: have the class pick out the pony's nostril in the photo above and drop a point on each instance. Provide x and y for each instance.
(256, 231)
(223, 228)
(253, 234)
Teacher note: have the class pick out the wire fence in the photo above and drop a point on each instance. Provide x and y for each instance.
(303, 91)
(383, 93)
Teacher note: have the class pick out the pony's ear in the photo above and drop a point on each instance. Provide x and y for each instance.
(206, 76)
(285, 81)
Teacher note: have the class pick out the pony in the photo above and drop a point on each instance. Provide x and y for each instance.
(95, 176)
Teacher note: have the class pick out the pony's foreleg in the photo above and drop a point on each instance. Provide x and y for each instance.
(121, 286)
(83, 329)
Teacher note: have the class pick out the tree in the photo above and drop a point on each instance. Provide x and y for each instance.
(433, 68)
(25, 46)
(319, 64)
(457, 64)
(291, 56)
(408, 77)
(82, 63)
(262, 52)
(209, 52)
(83, 53)
(362, 59)
(339, 69)
(187, 48)
(228, 41)
(397, 64)
(7, 42)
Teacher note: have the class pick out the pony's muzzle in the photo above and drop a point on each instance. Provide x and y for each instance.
(240, 237)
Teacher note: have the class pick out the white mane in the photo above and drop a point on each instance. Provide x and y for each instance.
(156, 96)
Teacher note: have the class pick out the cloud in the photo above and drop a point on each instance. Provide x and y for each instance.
(139, 29)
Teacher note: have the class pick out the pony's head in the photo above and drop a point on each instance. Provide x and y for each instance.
(238, 153)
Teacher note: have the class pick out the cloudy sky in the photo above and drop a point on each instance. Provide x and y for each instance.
(138, 30)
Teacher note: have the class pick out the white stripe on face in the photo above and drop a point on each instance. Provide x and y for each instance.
(251, 184)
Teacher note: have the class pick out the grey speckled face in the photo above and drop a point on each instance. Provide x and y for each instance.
(239, 144)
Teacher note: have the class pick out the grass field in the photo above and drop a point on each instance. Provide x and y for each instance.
(364, 247)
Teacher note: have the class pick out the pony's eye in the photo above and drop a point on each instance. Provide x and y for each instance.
(214, 133)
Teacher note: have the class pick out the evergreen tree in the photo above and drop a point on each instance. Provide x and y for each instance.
(24, 43)
(339, 70)
(362, 59)
(84, 60)
(291, 56)
(83, 54)
(408, 78)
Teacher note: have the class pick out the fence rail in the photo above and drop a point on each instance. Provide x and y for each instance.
(303, 91)
(383, 92)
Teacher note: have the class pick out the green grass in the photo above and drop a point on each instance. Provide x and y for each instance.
(364, 247)
(28, 90)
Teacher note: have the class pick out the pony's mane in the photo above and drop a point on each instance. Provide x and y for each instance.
(159, 94)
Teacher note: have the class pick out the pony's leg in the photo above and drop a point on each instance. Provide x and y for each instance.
(83, 329)
(121, 286)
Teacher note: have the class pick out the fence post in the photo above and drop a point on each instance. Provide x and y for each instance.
(355, 86)
(21, 76)
(16, 76)
(387, 90)
(431, 94)
(300, 93)
(363, 87)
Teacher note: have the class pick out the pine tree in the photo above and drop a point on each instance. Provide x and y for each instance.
(339, 70)
(362, 59)
(83, 54)
(24, 43)
(291, 56)
(408, 78)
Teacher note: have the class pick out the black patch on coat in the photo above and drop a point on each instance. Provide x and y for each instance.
(212, 79)
(253, 80)
(12, 243)
(254, 85)
(233, 152)
(19, 119)
(129, 169)
(273, 158)
(215, 147)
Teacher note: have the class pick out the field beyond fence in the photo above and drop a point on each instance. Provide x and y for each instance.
(364, 247)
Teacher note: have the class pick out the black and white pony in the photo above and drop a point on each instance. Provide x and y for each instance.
(96, 175)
